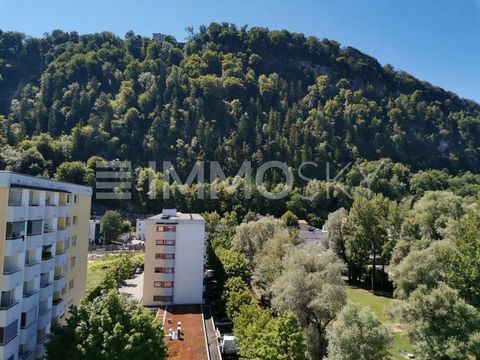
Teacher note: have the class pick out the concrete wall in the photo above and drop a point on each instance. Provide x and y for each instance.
(189, 263)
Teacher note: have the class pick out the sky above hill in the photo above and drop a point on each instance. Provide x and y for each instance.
(434, 40)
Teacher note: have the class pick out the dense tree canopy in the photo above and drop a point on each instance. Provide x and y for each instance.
(226, 94)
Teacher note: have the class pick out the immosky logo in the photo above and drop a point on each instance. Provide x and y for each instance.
(114, 179)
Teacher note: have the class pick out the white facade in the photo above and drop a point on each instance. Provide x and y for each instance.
(141, 229)
(93, 230)
(174, 259)
(36, 243)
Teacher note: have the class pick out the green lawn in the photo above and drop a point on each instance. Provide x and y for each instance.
(96, 268)
(378, 305)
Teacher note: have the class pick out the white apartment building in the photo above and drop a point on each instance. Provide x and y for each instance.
(140, 229)
(174, 259)
(43, 259)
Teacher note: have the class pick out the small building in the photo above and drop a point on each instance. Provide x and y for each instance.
(94, 233)
(310, 234)
(174, 259)
(140, 229)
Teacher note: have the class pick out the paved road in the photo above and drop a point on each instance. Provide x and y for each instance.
(134, 287)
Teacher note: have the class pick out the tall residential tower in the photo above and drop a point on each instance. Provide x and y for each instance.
(174, 259)
(44, 228)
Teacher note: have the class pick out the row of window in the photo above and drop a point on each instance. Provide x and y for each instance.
(166, 228)
(164, 256)
(164, 270)
(162, 298)
(163, 284)
(165, 242)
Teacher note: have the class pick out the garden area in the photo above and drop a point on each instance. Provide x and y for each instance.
(378, 304)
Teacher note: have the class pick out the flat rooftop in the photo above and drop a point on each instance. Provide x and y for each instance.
(178, 217)
(13, 179)
(193, 345)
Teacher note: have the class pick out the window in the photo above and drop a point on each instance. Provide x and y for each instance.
(7, 299)
(74, 222)
(28, 318)
(8, 333)
(163, 284)
(164, 256)
(71, 284)
(165, 242)
(64, 291)
(74, 241)
(75, 199)
(67, 221)
(15, 230)
(164, 228)
(34, 227)
(72, 262)
(164, 270)
(162, 298)
(68, 199)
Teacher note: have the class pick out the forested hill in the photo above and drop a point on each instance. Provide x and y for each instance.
(226, 94)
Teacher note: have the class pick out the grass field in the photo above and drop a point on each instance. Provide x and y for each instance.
(96, 268)
(378, 305)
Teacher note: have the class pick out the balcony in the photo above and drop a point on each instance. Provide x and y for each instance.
(46, 290)
(32, 271)
(62, 234)
(45, 319)
(30, 299)
(10, 347)
(36, 212)
(12, 278)
(10, 312)
(60, 259)
(48, 263)
(63, 211)
(17, 213)
(26, 355)
(29, 332)
(14, 246)
(52, 211)
(58, 283)
(58, 308)
(34, 242)
(49, 237)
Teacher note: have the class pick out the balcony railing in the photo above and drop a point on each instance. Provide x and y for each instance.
(11, 271)
(47, 256)
(57, 302)
(30, 263)
(58, 277)
(9, 306)
(14, 236)
(45, 284)
(27, 294)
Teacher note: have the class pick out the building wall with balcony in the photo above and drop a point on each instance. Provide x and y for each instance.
(28, 263)
(4, 194)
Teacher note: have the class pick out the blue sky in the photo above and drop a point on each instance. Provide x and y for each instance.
(434, 40)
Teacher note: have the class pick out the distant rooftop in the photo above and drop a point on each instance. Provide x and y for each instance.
(173, 214)
(10, 179)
